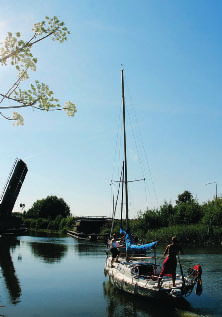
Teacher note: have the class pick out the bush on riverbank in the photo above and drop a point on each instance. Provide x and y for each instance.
(59, 224)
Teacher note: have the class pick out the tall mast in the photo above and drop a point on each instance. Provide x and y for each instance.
(124, 136)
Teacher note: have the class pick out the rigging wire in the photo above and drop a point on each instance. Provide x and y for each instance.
(118, 154)
(140, 151)
(117, 197)
(138, 139)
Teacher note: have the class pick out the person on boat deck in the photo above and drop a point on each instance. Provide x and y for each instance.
(114, 250)
(170, 262)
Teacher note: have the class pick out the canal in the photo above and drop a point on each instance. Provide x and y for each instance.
(61, 276)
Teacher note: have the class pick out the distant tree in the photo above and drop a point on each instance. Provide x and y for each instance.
(166, 214)
(185, 197)
(18, 53)
(187, 209)
(150, 219)
(49, 208)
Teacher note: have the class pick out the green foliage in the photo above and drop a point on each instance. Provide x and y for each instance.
(17, 214)
(184, 198)
(166, 214)
(213, 210)
(49, 208)
(19, 54)
(41, 223)
(51, 225)
(59, 224)
(152, 219)
(187, 209)
(197, 234)
(188, 220)
(67, 223)
(186, 213)
(27, 222)
(57, 221)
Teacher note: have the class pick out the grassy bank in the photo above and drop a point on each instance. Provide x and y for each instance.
(195, 233)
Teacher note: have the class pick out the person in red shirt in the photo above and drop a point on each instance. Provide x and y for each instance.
(170, 262)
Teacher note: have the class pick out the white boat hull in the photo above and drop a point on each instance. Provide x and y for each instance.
(122, 278)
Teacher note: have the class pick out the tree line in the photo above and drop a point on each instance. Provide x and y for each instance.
(187, 219)
(186, 211)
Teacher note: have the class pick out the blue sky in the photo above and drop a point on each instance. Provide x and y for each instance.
(171, 51)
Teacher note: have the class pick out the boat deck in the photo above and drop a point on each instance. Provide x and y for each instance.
(120, 275)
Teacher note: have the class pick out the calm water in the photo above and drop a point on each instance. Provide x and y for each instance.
(60, 276)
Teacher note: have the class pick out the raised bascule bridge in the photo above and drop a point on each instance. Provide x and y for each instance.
(8, 222)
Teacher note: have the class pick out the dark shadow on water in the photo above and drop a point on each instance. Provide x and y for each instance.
(8, 270)
(125, 305)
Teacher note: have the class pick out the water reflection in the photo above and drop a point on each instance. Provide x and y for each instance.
(48, 252)
(76, 287)
(8, 270)
(89, 248)
(123, 304)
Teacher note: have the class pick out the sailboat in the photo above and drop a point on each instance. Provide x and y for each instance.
(136, 274)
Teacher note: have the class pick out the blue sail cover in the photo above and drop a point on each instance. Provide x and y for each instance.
(131, 245)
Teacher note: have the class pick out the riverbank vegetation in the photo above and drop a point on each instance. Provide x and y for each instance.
(51, 213)
(190, 221)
